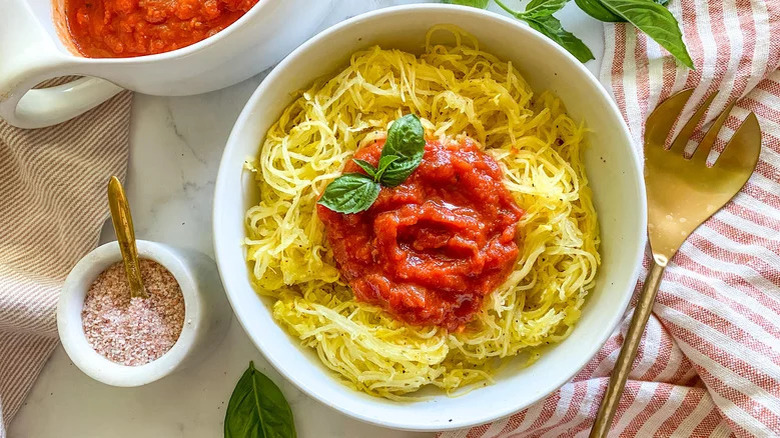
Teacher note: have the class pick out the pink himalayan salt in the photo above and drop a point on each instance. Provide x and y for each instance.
(133, 331)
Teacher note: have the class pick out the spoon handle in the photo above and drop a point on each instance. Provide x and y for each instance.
(617, 381)
(125, 235)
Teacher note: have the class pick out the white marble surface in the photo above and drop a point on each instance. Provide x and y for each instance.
(176, 144)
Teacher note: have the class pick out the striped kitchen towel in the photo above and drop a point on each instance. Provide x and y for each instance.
(709, 365)
(52, 206)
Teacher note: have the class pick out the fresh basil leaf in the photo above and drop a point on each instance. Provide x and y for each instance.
(551, 27)
(538, 15)
(542, 8)
(350, 193)
(482, 4)
(595, 9)
(397, 172)
(365, 165)
(654, 20)
(258, 409)
(406, 140)
(384, 162)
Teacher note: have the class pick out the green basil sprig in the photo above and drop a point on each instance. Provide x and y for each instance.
(405, 140)
(656, 21)
(401, 154)
(597, 10)
(538, 15)
(649, 16)
(258, 409)
(350, 193)
(552, 28)
(542, 8)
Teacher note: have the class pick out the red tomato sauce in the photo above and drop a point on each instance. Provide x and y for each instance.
(430, 249)
(127, 28)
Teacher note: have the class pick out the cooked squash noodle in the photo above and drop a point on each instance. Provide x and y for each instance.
(455, 89)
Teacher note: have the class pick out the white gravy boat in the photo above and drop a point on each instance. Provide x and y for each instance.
(31, 51)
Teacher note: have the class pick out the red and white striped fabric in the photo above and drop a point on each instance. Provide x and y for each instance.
(709, 365)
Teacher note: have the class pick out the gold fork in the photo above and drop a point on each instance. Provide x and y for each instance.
(681, 194)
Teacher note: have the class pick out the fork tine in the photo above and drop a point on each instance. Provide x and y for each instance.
(685, 133)
(703, 150)
(742, 151)
(661, 120)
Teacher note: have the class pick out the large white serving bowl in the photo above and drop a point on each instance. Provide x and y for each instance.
(612, 166)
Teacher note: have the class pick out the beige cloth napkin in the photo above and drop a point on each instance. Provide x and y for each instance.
(52, 206)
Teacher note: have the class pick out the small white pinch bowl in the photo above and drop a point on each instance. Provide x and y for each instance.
(207, 314)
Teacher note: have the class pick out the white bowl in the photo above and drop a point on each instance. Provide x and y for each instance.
(32, 51)
(206, 313)
(613, 169)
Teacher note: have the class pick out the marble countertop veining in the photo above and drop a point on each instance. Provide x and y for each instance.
(176, 144)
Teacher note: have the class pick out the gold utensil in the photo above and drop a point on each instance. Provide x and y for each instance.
(125, 235)
(681, 194)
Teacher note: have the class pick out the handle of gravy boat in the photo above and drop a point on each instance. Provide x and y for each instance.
(38, 108)
(28, 56)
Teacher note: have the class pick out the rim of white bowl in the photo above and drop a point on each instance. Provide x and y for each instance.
(247, 112)
(71, 332)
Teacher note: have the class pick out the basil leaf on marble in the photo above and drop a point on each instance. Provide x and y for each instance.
(551, 28)
(258, 409)
(649, 16)
(542, 8)
(538, 15)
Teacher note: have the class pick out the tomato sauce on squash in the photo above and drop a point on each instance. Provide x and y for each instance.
(430, 249)
(127, 28)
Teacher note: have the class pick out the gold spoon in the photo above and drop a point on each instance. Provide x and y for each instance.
(125, 235)
(682, 193)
